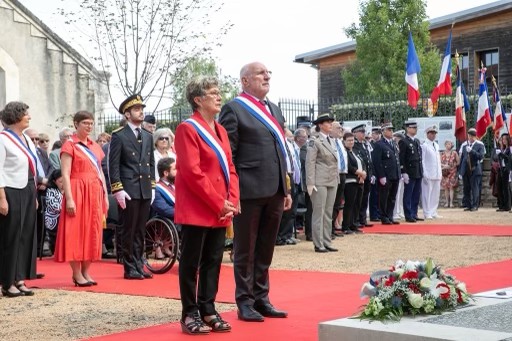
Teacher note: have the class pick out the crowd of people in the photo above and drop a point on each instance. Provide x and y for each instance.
(235, 166)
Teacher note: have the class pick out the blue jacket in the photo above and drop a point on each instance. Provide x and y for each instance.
(162, 207)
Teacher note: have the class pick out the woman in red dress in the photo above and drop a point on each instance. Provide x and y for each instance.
(85, 201)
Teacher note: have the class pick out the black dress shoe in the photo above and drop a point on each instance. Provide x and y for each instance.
(419, 219)
(467, 209)
(410, 220)
(320, 250)
(395, 222)
(39, 276)
(249, 314)
(280, 242)
(147, 275)
(357, 225)
(386, 222)
(356, 230)
(7, 293)
(368, 225)
(331, 249)
(375, 219)
(133, 275)
(347, 231)
(268, 310)
(309, 239)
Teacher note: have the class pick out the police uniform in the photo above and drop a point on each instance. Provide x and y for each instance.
(386, 160)
(362, 149)
(374, 195)
(411, 164)
(131, 169)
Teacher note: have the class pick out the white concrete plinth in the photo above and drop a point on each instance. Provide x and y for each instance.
(408, 329)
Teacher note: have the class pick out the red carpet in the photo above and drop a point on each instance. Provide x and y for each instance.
(309, 297)
(458, 230)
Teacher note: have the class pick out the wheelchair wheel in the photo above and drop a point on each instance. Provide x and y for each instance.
(161, 245)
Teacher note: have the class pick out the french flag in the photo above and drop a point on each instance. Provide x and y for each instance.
(411, 74)
(483, 119)
(461, 108)
(499, 114)
(444, 85)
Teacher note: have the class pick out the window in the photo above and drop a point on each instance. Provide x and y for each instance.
(490, 59)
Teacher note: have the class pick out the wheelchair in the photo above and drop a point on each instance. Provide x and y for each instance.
(161, 245)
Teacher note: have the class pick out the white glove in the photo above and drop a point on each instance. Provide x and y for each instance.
(372, 180)
(311, 188)
(382, 181)
(498, 151)
(405, 176)
(152, 196)
(460, 177)
(121, 198)
(468, 149)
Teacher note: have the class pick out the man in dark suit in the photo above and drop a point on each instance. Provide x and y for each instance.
(361, 149)
(255, 128)
(374, 196)
(386, 160)
(471, 169)
(132, 179)
(412, 171)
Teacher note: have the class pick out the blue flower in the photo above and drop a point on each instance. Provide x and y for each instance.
(396, 301)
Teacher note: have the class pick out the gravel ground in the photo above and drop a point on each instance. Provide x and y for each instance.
(66, 315)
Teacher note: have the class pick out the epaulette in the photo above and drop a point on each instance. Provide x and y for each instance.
(153, 184)
(117, 130)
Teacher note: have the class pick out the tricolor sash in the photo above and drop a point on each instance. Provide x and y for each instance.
(210, 141)
(259, 112)
(166, 192)
(32, 158)
(90, 155)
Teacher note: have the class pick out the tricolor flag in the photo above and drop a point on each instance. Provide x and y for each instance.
(461, 107)
(444, 84)
(483, 119)
(411, 74)
(499, 114)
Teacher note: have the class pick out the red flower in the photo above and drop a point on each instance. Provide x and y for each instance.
(445, 295)
(459, 295)
(389, 282)
(414, 288)
(410, 275)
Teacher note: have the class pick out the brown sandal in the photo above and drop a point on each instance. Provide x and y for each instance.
(218, 325)
(194, 327)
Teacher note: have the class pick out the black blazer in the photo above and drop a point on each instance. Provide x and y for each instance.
(258, 159)
(386, 160)
(131, 163)
(410, 157)
(352, 165)
(360, 150)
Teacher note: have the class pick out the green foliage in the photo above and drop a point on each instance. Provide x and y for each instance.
(201, 66)
(381, 49)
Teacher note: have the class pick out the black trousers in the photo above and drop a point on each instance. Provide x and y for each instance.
(364, 202)
(503, 190)
(308, 216)
(387, 198)
(255, 236)
(18, 236)
(288, 220)
(353, 194)
(201, 256)
(133, 229)
(374, 202)
(466, 190)
(340, 196)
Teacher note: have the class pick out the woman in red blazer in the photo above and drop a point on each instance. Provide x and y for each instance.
(207, 197)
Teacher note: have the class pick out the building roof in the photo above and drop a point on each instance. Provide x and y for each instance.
(53, 37)
(473, 13)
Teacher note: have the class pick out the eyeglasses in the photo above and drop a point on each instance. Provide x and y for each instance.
(213, 94)
(162, 138)
(44, 141)
(34, 139)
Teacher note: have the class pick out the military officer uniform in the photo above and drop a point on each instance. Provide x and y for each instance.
(386, 160)
(412, 172)
(362, 149)
(131, 169)
(374, 195)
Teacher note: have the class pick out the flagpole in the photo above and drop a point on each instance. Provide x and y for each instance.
(498, 92)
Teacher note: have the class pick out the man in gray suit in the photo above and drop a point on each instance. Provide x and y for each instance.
(322, 178)
(255, 128)
(471, 169)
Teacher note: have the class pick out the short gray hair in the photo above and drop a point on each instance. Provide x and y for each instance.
(299, 132)
(62, 133)
(197, 87)
(161, 132)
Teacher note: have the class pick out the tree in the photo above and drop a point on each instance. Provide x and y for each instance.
(141, 43)
(197, 66)
(381, 49)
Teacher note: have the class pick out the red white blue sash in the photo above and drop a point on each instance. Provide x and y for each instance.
(260, 112)
(90, 155)
(32, 158)
(166, 192)
(210, 141)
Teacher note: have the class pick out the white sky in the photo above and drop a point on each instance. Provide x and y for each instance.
(273, 32)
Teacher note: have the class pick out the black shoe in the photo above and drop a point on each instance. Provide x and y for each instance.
(375, 219)
(7, 293)
(356, 230)
(386, 222)
(410, 220)
(368, 225)
(467, 209)
(419, 219)
(109, 255)
(357, 225)
(268, 310)
(23, 289)
(347, 231)
(309, 238)
(249, 314)
(147, 275)
(133, 275)
(280, 242)
(39, 276)
(395, 222)
(320, 250)
(81, 285)
(338, 233)
(290, 241)
(331, 249)
(473, 209)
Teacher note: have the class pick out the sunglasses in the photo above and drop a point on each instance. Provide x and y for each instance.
(35, 139)
(162, 138)
(44, 141)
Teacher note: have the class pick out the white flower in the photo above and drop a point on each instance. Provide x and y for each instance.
(411, 266)
(415, 300)
(425, 283)
(461, 286)
(367, 290)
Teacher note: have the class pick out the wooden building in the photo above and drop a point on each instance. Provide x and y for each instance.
(481, 34)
